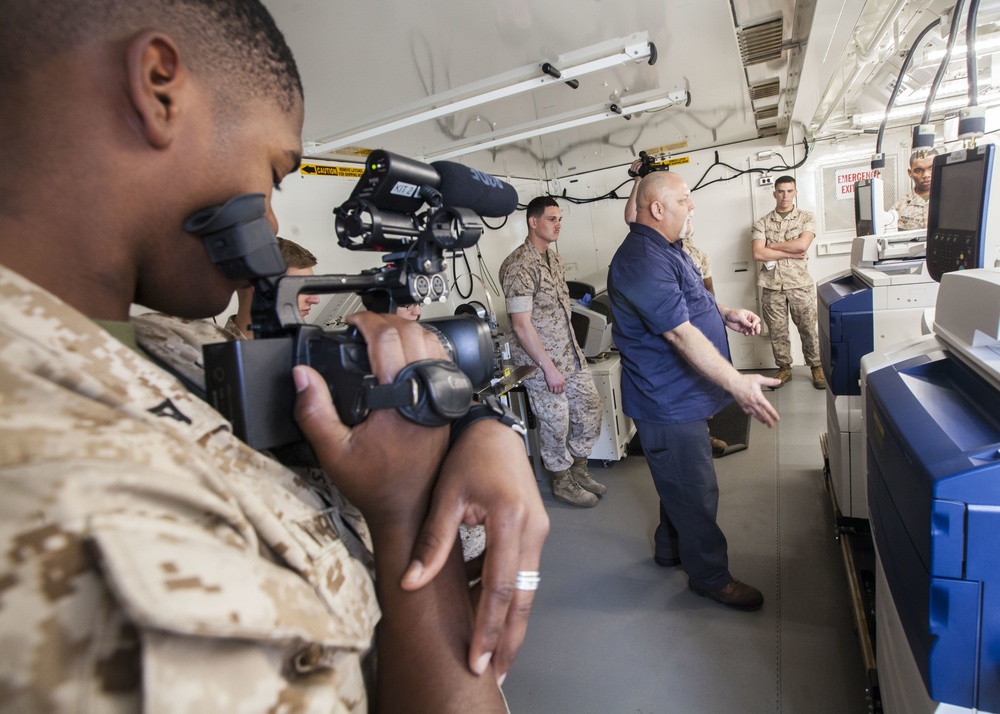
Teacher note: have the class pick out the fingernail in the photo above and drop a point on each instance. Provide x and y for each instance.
(501, 678)
(413, 572)
(482, 663)
(300, 378)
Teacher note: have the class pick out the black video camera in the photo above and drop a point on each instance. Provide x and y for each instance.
(647, 166)
(250, 382)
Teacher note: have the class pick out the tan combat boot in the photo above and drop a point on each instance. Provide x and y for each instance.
(567, 490)
(583, 477)
(818, 380)
(784, 373)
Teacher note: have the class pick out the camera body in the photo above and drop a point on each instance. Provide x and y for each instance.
(250, 381)
(648, 166)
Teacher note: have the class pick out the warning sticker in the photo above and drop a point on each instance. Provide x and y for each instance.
(324, 170)
(668, 148)
(673, 162)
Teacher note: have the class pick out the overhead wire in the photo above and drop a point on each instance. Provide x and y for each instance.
(970, 52)
(899, 81)
(952, 36)
(741, 172)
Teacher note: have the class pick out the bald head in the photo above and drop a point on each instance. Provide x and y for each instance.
(663, 204)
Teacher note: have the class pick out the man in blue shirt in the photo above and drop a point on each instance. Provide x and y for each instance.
(676, 373)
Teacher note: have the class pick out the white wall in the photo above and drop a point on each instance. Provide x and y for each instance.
(724, 214)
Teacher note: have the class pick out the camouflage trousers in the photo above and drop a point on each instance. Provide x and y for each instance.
(801, 304)
(569, 424)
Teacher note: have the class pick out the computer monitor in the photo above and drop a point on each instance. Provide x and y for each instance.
(963, 216)
(868, 207)
(592, 326)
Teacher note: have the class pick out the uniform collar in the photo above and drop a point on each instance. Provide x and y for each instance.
(791, 214)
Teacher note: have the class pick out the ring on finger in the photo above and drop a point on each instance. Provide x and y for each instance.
(527, 580)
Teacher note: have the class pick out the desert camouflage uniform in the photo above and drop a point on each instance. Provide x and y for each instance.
(912, 210)
(788, 288)
(152, 561)
(698, 257)
(533, 285)
(233, 330)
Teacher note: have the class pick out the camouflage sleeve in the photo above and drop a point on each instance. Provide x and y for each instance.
(758, 230)
(808, 222)
(519, 287)
(137, 602)
(705, 267)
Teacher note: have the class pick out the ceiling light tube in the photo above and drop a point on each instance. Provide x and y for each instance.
(914, 110)
(958, 51)
(635, 47)
(549, 125)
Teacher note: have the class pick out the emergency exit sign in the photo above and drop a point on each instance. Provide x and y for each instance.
(847, 177)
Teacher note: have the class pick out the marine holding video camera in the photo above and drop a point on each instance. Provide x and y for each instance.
(158, 562)
(380, 215)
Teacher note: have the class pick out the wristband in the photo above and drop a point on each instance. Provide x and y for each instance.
(489, 408)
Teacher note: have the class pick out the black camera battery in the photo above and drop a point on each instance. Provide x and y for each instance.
(250, 383)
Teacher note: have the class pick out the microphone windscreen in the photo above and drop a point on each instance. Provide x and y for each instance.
(462, 187)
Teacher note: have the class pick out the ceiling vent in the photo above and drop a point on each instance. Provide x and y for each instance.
(765, 90)
(766, 113)
(761, 43)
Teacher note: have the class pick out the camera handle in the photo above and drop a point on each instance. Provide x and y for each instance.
(275, 310)
(430, 392)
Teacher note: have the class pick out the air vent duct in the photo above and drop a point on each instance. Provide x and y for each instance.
(761, 43)
(764, 90)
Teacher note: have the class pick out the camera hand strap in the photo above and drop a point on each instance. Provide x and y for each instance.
(431, 392)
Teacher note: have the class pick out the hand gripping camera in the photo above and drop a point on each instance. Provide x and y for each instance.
(250, 381)
(648, 166)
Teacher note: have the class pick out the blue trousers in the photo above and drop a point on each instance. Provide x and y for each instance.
(680, 462)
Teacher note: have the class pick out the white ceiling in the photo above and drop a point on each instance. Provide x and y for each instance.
(360, 60)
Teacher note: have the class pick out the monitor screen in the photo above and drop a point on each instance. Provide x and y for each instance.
(959, 211)
(961, 196)
(864, 193)
(868, 213)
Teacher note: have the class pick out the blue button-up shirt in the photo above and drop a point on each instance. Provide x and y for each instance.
(654, 287)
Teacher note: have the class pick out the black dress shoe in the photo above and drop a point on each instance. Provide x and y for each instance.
(666, 562)
(736, 595)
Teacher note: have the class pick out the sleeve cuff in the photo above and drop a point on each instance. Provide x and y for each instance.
(519, 304)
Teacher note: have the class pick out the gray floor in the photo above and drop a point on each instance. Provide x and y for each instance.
(613, 633)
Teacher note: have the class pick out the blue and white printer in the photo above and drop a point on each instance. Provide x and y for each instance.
(880, 301)
(932, 422)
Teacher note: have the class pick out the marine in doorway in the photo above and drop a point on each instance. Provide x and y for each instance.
(912, 208)
(781, 241)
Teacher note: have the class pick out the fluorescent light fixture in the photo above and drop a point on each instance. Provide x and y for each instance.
(917, 110)
(983, 44)
(560, 122)
(954, 88)
(635, 47)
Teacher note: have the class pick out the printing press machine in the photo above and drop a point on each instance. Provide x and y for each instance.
(931, 419)
(880, 301)
(932, 412)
